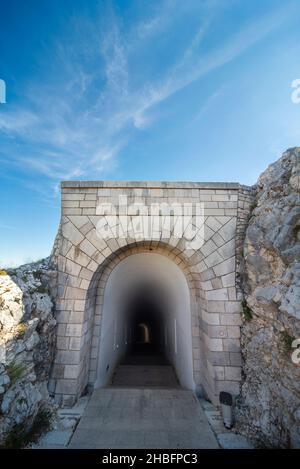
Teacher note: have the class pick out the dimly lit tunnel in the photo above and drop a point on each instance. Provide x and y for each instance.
(146, 325)
(144, 317)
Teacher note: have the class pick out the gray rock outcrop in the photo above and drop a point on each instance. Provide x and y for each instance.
(27, 340)
(269, 406)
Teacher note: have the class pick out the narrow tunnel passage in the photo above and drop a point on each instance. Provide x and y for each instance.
(145, 321)
(146, 325)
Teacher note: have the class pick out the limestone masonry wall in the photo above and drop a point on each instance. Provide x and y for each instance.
(84, 262)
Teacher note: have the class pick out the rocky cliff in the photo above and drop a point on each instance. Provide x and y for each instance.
(269, 405)
(27, 339)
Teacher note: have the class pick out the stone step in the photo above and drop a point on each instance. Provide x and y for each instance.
(145, 376)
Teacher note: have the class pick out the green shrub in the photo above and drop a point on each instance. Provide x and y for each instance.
(22, 434)
(247, 313)
(3, 272)
(40, 261)
(296, 231)
(21, 330)
(41, 289)
(37, 274)
(15, 371)
(286, 341)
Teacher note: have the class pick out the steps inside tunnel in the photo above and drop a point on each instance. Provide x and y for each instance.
(145, 364)
(145, 376)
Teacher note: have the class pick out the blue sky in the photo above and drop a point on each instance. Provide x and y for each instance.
(194, 90)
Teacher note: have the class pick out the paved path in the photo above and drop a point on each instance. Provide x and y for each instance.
(143, 418)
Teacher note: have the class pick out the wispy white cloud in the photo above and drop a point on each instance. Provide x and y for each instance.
(160, 20)
(76, 123)
(18, 121)
(195, 64)
(208, 104)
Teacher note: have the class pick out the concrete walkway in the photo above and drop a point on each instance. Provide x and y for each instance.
(143, 418)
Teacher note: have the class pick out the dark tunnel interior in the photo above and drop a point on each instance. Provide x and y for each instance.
(145, 319)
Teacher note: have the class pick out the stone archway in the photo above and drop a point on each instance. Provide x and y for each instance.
(85, 261)
(94, 306)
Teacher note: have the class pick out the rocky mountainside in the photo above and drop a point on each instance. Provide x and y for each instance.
(269, 407)
(27, 340)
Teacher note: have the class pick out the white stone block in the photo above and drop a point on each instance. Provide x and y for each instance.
(231, 345)
(73, 330)
(228, 230)
(78, 220)
(213, 259)
(213, 211)
(75, 343)
(208, 248)
(70, 203)
(70, 232)
(72, 196)
(228, 249)
(225, 267)
(71, 371)
(68, 357)
(233, 307)
(217, 331)
(211, 318)
(231, 319)
(233, 373)
(215, 345)
(219, 372)
(213, 223)
(206, 285)
(72, 268)
(87, 247)
(233, 332)
(217, 295)
(228, 280)
(71, 211)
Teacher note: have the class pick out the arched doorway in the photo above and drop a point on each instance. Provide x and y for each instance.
(143, 335)
(146, 312)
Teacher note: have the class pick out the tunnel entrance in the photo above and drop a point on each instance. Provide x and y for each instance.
(146, 325)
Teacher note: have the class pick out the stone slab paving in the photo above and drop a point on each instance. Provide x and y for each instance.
(143, 418)
(227, 439)
(230, 440)
(148, 420)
